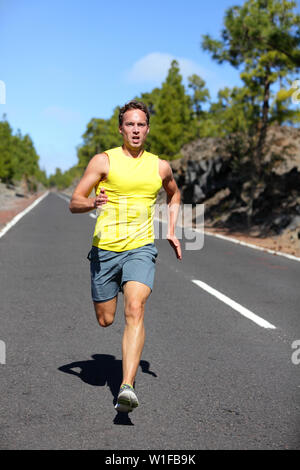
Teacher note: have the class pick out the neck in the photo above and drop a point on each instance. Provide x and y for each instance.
(130, 152)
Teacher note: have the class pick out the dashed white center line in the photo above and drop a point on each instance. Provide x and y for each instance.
(239, 308)
(236, 306)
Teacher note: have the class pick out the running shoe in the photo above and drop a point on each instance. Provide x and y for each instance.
(127, 399)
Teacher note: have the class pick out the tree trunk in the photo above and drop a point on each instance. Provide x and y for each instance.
(259, 149)
(263, 127)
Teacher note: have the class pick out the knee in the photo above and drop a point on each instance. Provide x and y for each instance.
(134, 311)
(105, 322)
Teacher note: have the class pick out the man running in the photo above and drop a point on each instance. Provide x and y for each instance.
(127, 180)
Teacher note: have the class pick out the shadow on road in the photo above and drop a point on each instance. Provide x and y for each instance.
(104, 369)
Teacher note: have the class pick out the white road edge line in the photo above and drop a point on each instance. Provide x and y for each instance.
(229, 239)
(65, 198)
(239, 308)
(19, 216)
(239, 242)
(250, 245)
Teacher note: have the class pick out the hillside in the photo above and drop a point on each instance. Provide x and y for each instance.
(205, 175)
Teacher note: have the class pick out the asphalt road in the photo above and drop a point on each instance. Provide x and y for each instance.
(209, 377)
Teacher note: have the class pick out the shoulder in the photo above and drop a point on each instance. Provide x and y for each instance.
(100, 156)
(165, 169)
(107, 153)
(98, 164)
(99, 159)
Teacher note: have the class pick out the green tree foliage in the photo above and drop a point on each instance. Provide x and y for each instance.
(173, 124)
(151, 100)
(172, 120)
(62, 180)
(234, 111)
(200, 94)
(18, 157)
(57, 179)
(100, 135)
(262, 37)
(41, 176)
(6, 151)
(280, 111)
(25, 158)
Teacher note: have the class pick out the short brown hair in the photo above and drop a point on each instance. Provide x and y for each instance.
(133, 104)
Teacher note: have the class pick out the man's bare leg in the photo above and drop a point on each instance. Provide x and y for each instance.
(135, 296)
(105, 311)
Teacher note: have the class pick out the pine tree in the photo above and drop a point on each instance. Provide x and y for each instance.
(262, 37)
(18, 158)
(6, 168)
(100, 135)
(172, 124)
(200, 94)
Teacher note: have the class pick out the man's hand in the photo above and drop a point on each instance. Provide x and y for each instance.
(101, 199)
(175, 244)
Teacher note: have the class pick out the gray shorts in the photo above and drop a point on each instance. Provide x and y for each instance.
(111, 269)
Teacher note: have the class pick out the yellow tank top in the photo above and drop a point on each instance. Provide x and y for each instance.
(125, 222)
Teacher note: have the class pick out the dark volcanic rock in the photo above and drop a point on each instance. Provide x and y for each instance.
(205, 175)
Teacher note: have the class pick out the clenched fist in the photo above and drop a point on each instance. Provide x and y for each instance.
(101, 199)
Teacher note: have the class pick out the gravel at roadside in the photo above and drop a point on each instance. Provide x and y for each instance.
(13, 199)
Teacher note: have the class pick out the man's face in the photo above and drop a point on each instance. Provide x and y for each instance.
(134, 128)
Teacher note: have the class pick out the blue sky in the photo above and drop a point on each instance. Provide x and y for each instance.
(66, 61)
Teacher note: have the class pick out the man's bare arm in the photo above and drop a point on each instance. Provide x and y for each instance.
(96, 170)
(173, 201)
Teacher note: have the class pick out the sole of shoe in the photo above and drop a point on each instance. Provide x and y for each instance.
(127, 401)
(123, 408)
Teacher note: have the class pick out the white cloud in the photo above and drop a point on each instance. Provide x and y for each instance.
(154, 68)
(62, 115)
